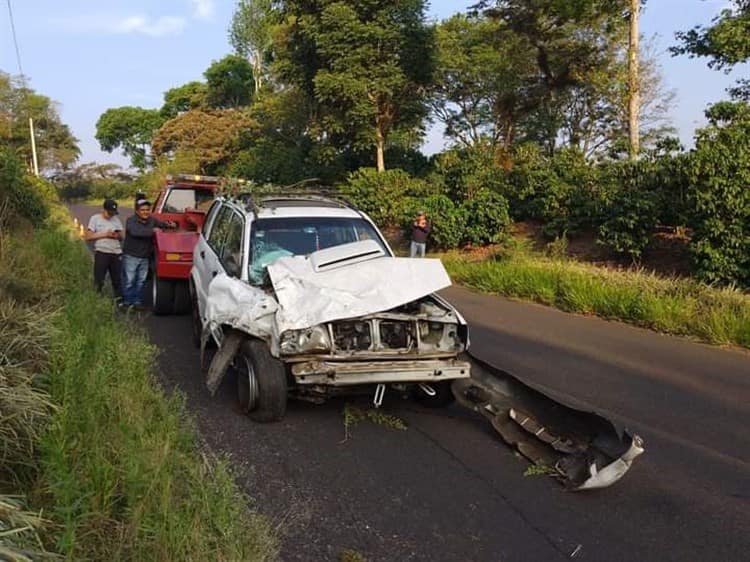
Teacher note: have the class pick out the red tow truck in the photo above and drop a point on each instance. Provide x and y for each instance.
(185, 200)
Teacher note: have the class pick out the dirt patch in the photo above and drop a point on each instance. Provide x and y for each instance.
(666, 255)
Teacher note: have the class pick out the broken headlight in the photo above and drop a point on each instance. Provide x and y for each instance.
(310, 340)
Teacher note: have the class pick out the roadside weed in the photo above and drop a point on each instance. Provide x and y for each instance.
(354, 415)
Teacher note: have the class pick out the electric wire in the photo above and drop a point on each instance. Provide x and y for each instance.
(15, 40)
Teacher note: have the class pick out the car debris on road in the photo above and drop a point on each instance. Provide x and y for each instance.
(304, 298)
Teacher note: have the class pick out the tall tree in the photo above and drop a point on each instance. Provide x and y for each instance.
(484, 74)
(569, 39)
(211, 137)
(57, 148)
(184, 98)
(634, 91)
(251, 35)
(366, 64)
(725, 43)
(129, 129)
(229, 83)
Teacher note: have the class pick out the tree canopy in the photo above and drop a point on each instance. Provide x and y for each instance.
(367, 65)
(229, 82)
(57, 148)
(726, 42)
(129, 129)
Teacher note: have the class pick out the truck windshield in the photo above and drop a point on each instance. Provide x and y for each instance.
(272, 239)
(180, 199)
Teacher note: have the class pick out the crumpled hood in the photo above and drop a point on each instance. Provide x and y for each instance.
(308, 297)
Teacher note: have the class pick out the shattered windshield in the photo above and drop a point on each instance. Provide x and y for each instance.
(272, 239)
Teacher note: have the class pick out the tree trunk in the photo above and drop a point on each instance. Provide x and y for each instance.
(380, 149)
(634, 93)
(380, 145)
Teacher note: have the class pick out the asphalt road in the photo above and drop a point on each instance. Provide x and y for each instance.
(448, 489)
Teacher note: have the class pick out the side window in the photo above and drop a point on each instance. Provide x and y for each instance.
(218, 232)
(211, 218)
(231, 250)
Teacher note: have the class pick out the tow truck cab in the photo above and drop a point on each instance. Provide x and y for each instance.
(185, 199)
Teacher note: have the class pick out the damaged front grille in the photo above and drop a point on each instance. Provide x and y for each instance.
(374, 335)
(352, 336)
(397, 335)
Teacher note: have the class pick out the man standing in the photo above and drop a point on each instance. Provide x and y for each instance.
(105, 230)
(420, 230)
(137, 250)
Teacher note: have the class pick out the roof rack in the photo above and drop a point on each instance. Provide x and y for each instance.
(257, 196)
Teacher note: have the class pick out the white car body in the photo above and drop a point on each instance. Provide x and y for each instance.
(344, 315)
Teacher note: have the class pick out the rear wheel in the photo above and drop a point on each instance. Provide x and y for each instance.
(261, 382)
(163, 295)
(443, 395)
(181, 297)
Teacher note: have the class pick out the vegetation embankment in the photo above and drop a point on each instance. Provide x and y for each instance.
(88, 437)
(671, 305)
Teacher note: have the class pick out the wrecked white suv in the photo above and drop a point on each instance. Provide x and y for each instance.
(304, 298)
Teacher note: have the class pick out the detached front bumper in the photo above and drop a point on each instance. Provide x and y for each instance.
(335, 373)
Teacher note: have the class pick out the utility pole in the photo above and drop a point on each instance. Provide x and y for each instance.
(33, 147)
(634, 86)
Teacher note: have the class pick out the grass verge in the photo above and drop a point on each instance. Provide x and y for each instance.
(674, 306)
(112, 462)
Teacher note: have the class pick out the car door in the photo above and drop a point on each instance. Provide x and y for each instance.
(206, 262)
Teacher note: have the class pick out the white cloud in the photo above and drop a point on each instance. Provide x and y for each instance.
(202, 9)
(111, 24)
(166, 25)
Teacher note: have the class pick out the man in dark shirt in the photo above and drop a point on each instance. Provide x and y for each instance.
(136, 252)
(420, 230)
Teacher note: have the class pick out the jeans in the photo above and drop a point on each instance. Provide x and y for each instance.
(107, 263)
(134, 273)
(417, 247)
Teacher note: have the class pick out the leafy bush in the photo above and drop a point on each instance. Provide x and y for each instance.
(21, 193)
(466, 172)
(631, 222)
(486, 216)
(447, 219)
(563, 191)
(384, 196)
(720, 176)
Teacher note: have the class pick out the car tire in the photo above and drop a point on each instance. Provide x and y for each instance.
(181, 297)
(443, 395)
(163, 295)
(261, 382)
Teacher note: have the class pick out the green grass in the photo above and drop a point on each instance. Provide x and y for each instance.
(110, 460)
(674, 306)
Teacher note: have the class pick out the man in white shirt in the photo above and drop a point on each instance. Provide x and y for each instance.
(105, 230)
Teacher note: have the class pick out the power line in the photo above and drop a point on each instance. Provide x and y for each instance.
(25, 89)
(15, 39)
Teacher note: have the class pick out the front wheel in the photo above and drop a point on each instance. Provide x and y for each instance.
(261, 382)
(162, 292)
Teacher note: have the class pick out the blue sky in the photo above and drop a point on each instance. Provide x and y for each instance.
(90, 55)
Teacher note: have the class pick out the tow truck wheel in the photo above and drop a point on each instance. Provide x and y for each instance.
(443, 395)
(261, 382)
(163, 295)
(181, 297)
